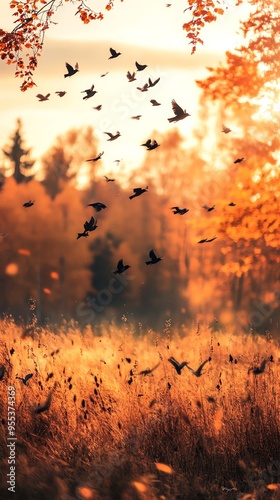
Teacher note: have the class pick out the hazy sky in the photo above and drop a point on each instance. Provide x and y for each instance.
(145, 31)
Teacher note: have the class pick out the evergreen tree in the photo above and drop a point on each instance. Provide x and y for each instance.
(19, 156)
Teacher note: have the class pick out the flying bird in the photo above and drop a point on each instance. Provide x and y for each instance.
(98, 108)
(180, 114)
(259, 369)
(140, 67)
(114, 53)
(42, 97)
(71, 71)
(239, 160)
(45, 406)
(138, 192)
(84, 234)
(232, 204)
(98, 206)
(61, 93)
(150, 145)
(131, 76)
(202, 241)
(154, 102)
(97, 157)
(26, 378)
(137, 117)
(180, 211)
(104, 74)
(144, 88)
(198, 372)
(90, 92)
(178, 366)
(28, 204)
(153, 257)
(91, 225)
(108, 179)
(112, 137)
(225, 129)
(208, 209)
(121, 267)
(152, 84)
(149, 370)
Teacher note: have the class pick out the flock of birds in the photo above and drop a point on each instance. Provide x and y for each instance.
(150, 144)
(178, 366)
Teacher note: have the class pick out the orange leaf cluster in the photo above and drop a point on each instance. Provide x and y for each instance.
(203, 11)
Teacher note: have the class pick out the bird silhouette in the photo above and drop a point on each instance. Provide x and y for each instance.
(232, 204)
(90, 93)
(137, 117)
(61, 93)
(211, 239)
(114, 54)
(42, 97)
(131, 76)
(2, 371)
(152, 84)
(198, 372)
(208, 209)
(28, 204)
(202, 241)
(26, 378)
(112, 137)
(153, 257)
(149, 370)
(45, 406)
(180, 114)
(108, 179)
(98, 108)
(239, 160)
(178, 366)
(144, 88)
(121, 267)
(98, 157)
(71, 71)
(98, 206)
(104, 74)
(140, 67)
(180, 211)
(138, 192)
(91, 225)
(225, 129)
(154, 102)
(81, 235)
(151, 145)
(259, 369)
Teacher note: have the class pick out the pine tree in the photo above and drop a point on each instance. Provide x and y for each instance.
(19, 156)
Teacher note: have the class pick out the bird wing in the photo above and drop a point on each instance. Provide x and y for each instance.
(152, 255)
(120, 265)
(177, 110)
(202, 365)
(174, 362)
(45, 406)
(113, 52)
(28, 376)
(109, 134)
(40, 96)
(138, 66)
(176, 208)
(76, 66)
(69, 67)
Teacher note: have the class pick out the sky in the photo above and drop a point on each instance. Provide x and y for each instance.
(147, 32)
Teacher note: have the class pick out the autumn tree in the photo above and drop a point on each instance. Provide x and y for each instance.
(19, 156)
(23, 45)
(244, 93)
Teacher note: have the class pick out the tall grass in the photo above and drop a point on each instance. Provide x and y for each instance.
(109, 430)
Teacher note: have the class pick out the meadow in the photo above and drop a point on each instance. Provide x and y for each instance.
(112, 432)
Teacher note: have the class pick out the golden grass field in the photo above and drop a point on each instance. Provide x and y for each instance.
(113, 433)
